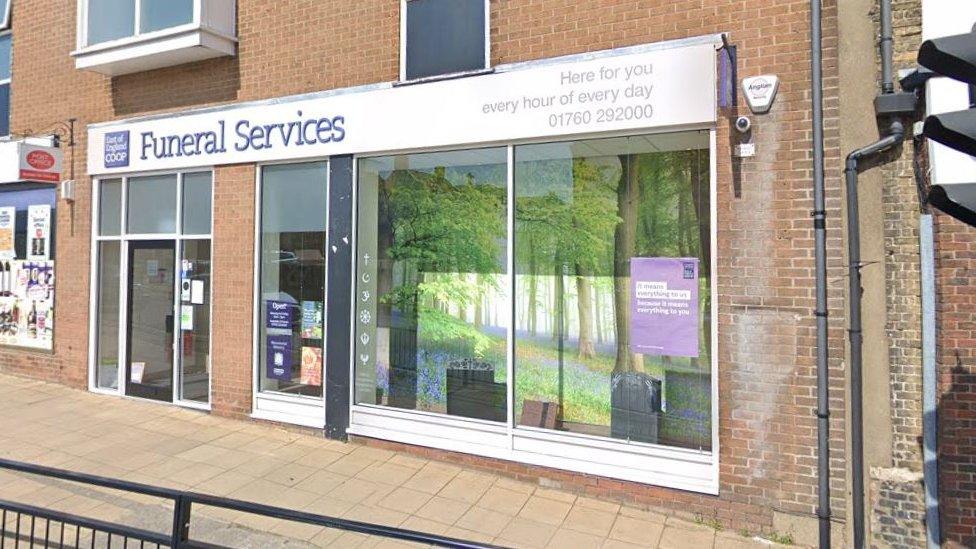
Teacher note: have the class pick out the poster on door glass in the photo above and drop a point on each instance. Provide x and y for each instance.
(8, 223)
(39, 232)
(27, 304)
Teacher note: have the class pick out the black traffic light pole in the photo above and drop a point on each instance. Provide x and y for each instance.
(820, 260)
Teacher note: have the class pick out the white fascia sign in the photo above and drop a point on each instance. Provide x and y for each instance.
(760, 91)
(635, 90)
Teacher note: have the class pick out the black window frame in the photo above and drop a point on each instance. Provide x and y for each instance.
(412, 76)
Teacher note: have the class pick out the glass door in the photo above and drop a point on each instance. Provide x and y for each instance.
(149, 364)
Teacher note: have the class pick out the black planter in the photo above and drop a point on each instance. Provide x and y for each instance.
(472, 391)
(635, 406)
(403, 367)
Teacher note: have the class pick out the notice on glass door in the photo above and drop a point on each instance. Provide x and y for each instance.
(664, 306)
(279, 357)
(8, 220)
(279, 315)
(39, 232)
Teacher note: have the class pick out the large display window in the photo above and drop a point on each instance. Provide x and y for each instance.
(291, 292)
(540, 302)
(27, 259)
(433, 301)
(151, 287)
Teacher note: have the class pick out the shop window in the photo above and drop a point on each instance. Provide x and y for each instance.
(113, 35)
(292, 278)
(610, 293)
(432, 318)
(110, 207)
(151, 205)
(27, 261)
(443, 37)
(108, 316)
(197, 203)
(612, 288)
(152, 293)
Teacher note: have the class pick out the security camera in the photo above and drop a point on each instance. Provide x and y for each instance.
(743, 124)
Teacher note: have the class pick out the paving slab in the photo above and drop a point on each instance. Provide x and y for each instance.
(164, 445)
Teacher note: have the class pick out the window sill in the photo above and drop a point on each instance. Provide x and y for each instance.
(448, 76)
(165, 48)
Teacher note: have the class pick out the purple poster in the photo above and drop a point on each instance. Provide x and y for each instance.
(279, 314)
(664, 306)
(279, 357)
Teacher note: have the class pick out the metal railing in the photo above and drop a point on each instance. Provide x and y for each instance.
(37, 526)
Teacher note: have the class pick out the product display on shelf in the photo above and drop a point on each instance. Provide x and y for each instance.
(27, 303)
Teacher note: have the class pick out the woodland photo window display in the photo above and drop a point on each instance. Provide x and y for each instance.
(27, 272)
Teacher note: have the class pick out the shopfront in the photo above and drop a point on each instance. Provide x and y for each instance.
(28, 211)
(518, 265)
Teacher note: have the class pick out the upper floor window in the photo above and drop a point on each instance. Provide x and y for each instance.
(115, 19)
(125, 36)
(5, 14)
(441, 37)
(5, 58)
(5, 66)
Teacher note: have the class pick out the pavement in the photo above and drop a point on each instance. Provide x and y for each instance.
(168, 446)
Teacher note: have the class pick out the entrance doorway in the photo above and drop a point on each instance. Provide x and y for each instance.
(152, 288)
(151, 310)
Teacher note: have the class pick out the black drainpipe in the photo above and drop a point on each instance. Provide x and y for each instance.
(891, 105)
(820, 253)
(895, 134)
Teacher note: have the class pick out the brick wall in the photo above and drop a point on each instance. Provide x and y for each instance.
(766, 279)
(896, 504)
(233, 290)
(955, 276)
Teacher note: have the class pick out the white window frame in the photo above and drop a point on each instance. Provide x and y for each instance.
(212, 32)
(5, 20)
(136, 36)
(652, 464)
(303, 410)
(123, 238)
(403, 48)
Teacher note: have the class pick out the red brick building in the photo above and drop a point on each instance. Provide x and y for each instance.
(314, 213)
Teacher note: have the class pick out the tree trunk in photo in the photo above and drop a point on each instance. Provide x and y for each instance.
(533, 290)
(599, 315)
(701, 194)
(584, 299)
(479, 301)
(558, 321)
(624, 246)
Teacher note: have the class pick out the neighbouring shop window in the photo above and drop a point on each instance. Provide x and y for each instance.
(116, 19)
(432, 303)
(291, 331)
(27, 261)
(612, 298)
(444, 37)
(5, 64)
